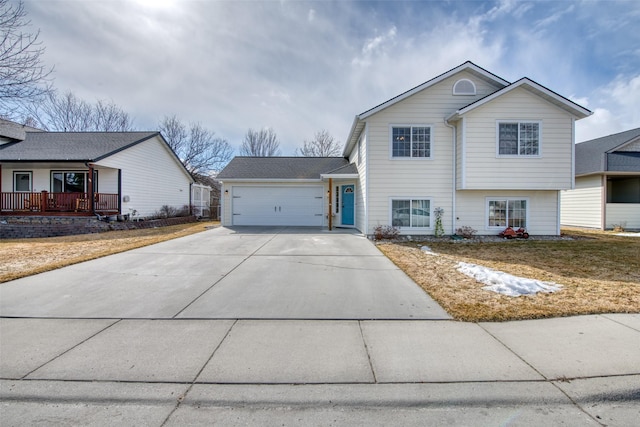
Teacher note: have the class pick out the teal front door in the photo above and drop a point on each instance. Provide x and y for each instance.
(348, 205)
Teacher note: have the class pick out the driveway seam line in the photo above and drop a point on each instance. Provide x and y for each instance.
(606, 316)
(71, 348)
(553, 382)
(366, 349)
(183, 396)
(221, 278)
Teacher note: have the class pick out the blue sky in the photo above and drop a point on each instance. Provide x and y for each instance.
(300, 66)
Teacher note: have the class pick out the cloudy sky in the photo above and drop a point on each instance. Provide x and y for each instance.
(303, 66)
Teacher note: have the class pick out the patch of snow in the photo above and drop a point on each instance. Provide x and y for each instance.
(504, 283)
(628, 234)
(427, 250)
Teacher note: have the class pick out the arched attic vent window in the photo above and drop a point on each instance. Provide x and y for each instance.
(464, 87)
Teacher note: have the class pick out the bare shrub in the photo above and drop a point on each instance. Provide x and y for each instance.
(466, 232)
(385, 232)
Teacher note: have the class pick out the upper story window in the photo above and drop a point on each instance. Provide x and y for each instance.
(464, 87)
(518, 138)
(411, 141)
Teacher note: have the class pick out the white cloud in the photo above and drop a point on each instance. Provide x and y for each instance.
(235, 65)
(616, 108)
(555, 17)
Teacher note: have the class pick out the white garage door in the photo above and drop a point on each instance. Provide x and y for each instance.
(278, 205)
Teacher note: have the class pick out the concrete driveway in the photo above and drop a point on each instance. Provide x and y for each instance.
(242, 273)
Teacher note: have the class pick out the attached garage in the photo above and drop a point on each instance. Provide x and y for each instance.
(277, 205)
(284, 191)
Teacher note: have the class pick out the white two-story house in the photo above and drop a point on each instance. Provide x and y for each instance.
(487, 152)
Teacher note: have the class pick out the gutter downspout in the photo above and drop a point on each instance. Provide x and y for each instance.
(455, 174)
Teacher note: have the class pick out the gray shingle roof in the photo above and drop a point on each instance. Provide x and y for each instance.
(280, 167)
(71, 146)
(596, 155)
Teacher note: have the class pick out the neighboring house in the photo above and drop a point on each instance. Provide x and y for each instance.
(488, 152)
(607, 183)
(87, 173)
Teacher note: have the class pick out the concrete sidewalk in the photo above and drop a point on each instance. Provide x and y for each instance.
(575, 371)
(292, 327)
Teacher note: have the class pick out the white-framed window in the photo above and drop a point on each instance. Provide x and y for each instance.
(411, 213)
(464, 87)
(410, 141)
(518, 138)
(23, 182)
(507, 212)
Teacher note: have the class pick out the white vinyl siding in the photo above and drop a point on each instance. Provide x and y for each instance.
(626, 215)
(360, 152)
(388, 178)
(151, 176)
(485, 170)
(542, 210)
(582, 206)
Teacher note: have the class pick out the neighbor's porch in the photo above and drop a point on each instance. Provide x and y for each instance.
(45, 203)
(622, 208)
(58, 189)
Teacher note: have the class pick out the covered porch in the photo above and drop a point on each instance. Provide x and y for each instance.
(341, 196)
(622, 208)
(58, 189)
(46, 203)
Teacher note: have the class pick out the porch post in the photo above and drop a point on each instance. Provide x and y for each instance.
(92, 195)
(330, 203)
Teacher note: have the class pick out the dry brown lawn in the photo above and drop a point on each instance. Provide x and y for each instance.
(600, 273)
(24, 257)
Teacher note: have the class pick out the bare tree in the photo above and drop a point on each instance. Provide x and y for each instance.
(23, 77)
(68, 113)
(198, 149)
(108, 117)
(262, 143)
(322, 145)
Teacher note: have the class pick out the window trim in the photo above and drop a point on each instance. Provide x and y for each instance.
(505, 199)
(30, 173)
(411, 126)
(519, 122)
(453, 90)
(411, 199)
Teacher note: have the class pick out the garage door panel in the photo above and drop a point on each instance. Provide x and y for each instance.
(278, 205)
